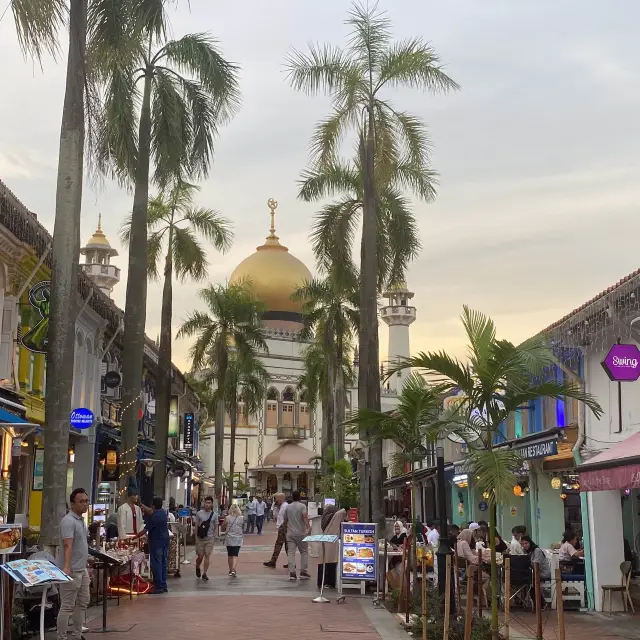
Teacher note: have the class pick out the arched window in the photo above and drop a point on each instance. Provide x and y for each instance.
(303, 481)
(288, 407)
(287, 482)
(272, 484)
(272, 407)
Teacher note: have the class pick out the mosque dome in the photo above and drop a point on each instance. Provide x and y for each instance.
(274, 274)
(99, 241)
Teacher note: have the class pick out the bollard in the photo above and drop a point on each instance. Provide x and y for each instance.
(536, 585)
(469, 612)
(507, 596)
(559, 604)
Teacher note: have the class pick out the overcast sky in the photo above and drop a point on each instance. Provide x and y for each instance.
(539, 154)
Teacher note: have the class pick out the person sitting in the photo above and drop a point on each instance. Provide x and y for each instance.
(500, 544)
(517, 533)
(397, 541)
(569, 556)
(537, 555)
(464, 550)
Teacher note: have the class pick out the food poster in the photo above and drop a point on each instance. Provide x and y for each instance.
(34, 572)
(10, 538)
(359, 548)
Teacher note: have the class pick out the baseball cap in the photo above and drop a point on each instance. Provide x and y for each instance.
(473, 526)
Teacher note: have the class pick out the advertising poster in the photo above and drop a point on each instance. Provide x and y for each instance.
(10, 538)
(359, 547)
(174, 422)
(38, 470)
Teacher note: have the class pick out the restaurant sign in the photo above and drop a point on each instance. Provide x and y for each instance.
(359, 549)
(538, 449)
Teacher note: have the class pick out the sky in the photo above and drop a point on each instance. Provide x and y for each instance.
(538, 154)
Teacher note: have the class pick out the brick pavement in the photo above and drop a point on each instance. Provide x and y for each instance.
(254, 605)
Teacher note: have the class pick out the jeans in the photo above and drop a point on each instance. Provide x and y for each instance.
(259, 521)
(295, 542)
(159, 560)
(74, 600)
(251, 523)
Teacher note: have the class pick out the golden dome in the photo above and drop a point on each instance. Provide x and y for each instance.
(99, 241)
(274, 274)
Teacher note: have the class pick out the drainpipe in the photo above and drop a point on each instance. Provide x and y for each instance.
(584, 505)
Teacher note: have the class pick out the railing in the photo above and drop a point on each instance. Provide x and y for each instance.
(96, 269)
(291, 433)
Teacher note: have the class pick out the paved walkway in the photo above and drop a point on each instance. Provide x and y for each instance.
(260, 603)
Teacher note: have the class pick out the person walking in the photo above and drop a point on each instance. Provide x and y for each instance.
(206, 522)
(280, 508)
(250, 525)
(72, 559)
(298, 527)
(157, 530)
(233, 538)
(261, 508)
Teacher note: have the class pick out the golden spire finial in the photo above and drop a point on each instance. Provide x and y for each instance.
(99, 222)
(273, 205)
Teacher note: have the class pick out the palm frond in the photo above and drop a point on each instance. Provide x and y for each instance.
(444, 369)
(154, 255)
(329, 180)
(414, 63)
(189, 257)
(495, 471)
(481, 331)
(38, 24)
(329, 133)
(323, 69)
(370, 33)
(213, 226)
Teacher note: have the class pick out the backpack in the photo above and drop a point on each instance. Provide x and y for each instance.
(203, 527)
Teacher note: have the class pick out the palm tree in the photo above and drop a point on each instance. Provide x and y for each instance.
(246, 382)
(336, 479)
(410, 425)
(162, 102)
(38, 25)
(174, 222)
(330, 307)
(232, 323)
(499, 379)
(356, 79)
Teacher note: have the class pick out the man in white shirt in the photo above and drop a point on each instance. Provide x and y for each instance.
(251, 515)
(130, 521)
(261, 507)
(279, 508)
(516, 547)
(433, 537)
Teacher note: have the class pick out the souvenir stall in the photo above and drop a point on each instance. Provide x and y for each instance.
(128, 578)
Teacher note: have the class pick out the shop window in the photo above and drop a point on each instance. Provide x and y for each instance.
(288, 395)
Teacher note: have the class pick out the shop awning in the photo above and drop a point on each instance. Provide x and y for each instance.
(420, 475)
(616, 468)
(6, 417)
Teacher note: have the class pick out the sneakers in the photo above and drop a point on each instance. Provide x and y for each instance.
(198, 572)
(304, 575)
(292, 576)
(233, 574)
(205, 578)
(271, 565)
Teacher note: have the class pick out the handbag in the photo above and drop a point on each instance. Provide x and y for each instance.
(203, 527)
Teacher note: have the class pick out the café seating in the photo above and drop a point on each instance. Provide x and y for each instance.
(622, 588)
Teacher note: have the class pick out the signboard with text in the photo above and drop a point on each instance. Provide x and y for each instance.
(538, 449)
(189, 427)
(622, 363)
(358, 551)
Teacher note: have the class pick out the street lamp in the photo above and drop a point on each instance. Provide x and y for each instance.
(444, 549)
(246, 471)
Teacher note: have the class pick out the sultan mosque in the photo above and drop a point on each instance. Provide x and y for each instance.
(274, 449)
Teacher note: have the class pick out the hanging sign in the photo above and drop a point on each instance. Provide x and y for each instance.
(622, 363)
(538, 449)
(112, 379)
(81, 418)
(189, 424)
(483, 506)
(358, 551)
(174, 421)
(37, 338)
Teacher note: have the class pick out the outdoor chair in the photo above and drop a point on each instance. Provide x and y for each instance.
(622, 588)
(521, 582)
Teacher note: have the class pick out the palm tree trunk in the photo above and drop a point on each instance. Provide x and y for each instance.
(339, 401)
(64, 279)
(324, 434)
(331, 382)
(369, 373)
(223, 362)
(233, 418)
(494, 573)
(135, 310)
(163, 373)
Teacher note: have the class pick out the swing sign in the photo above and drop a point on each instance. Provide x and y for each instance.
(622, 363)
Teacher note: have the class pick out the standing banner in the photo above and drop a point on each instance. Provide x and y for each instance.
(358, 551)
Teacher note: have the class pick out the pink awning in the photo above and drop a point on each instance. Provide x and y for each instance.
(611, 472)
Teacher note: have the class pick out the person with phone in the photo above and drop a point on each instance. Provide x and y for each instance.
(206, 520)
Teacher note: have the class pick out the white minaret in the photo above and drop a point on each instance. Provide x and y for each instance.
(98, 253)
(398, 314)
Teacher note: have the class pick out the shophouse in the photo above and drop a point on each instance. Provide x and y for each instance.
(606, 450)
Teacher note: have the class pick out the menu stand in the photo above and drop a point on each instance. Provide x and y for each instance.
(107, 562)
(323, 539)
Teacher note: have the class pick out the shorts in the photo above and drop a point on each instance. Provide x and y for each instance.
(204, 546)
(233, 552)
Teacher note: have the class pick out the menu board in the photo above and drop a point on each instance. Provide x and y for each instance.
(359, 551)
(35, 572)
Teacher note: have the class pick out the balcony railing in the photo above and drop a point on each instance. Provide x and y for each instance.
(96, 269)
(291, 433)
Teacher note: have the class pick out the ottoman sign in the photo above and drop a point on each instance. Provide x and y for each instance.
(622, 363)
(81, 418)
